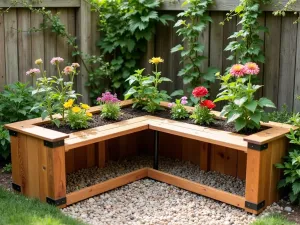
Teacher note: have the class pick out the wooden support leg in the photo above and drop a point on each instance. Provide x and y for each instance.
(101, 154)
(15, 159)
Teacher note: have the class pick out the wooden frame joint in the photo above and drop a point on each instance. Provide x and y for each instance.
(13, 133)
(254, 206)
(16, 187)
(57, 202)
(257, 147)
(55, 144)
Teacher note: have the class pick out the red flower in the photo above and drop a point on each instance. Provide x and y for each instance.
(200, 92)
(208, 103)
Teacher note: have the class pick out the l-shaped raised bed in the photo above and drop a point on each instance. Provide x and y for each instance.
(42, 158)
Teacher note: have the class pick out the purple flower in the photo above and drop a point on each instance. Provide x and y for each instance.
(184, 100)
(170, 105)
(107, 97)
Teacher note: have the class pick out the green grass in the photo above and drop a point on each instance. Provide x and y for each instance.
(275, 219)
(18, 210)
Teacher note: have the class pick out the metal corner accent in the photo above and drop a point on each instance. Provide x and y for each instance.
(257, 147)
(13, 133)
(57, 202)
(16, 187)
(55, 144)
(254, 206)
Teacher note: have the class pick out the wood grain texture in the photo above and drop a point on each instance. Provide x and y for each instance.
(101, 150)
(2, 53)
(15, 160)
(45, 3)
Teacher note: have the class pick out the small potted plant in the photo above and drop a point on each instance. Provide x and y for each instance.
(110, 103)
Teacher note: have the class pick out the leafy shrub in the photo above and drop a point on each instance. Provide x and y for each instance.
(77, 116)
(291, 170)
(145, 91)
(7, 168)
(242, 109)
(282, 116)
(110, 106)
(178, 111)
(4, 143)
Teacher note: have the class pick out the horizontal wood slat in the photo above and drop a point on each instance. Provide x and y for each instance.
(46, 3)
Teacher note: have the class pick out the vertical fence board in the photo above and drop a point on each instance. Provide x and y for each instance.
(2, 53)
(297, 74)
(62, 45)
(287, 61)
(11, 48)
(37, 39)
(24, 44)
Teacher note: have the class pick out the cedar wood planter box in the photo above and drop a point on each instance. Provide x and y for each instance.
(41, 158)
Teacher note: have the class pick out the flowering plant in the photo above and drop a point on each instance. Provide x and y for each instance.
(178, 111)
(110, 106)
(54, 89)
(202, 112)
(77, 116)
(242, 109)
(144, 89)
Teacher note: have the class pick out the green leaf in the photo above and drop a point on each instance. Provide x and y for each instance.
(165, 79)
(187, 80)
(233, 116)
(44, 115)
(251, 105)
(177, 93)
(281, 183)
(240, 123)
(256, 117)
(239, 102)
(177, 48)
(151, 15)
(296, 188)
(130, 92)
(56, 122)
(210, 75)
(264, 102)
(165, 18)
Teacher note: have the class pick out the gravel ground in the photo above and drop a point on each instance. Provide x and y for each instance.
(87, 177)
(154, 203)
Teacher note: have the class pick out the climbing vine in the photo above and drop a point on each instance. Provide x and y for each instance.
(126, 27)
(247, 45)
(193, 22)
(289, 6)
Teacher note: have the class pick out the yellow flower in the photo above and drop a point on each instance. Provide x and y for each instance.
(69, 103)
(156, 60)
(38, 62)
(89, 114)
(76, 109)
(85, 106)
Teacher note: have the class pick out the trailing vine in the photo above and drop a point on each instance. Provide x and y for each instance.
(194, 21)
(289, 6)
(126, 27)
(247, 45)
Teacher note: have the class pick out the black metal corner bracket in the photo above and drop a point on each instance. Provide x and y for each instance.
(254, 206)
(156, 145)
(13, 133)
(54, 144)
(16, 187)
(257, 147)
(57, 202)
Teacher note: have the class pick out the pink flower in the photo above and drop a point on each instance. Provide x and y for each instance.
(184, 100)
(107, 97)
(237, 70)
(75, 65)
(251, 68)
(56, 60)
(170, 105)
(68, 70)
(33, 72)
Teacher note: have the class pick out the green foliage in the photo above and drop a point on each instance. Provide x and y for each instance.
(289, 6)
(291, 170)
(145, 91)
(247, 45)
(273, 219)
(242, 109)
(295, 119)
(202, 115)
(178, 111)
(7, 168)
(126, 27)
(78, 118)
(282, 116)
(111, 111)
(55, 92)
(4, 143)
(194, 21)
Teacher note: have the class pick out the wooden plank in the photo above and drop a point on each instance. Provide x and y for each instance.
(2, 53)
(267, 136)
(23, 163)
(33, 147)
(204, 190)
(228, 29)
(72, 31)
(204, 39)
(11, 48)
(242, 164)
(170, 146)
(95, 35)
(45, 3)
(218, 158)
(80, 158)
(84, 37)
(272, 54)
(15, 159)
(222, 5)
(296, 106)
(101, 154)
(24, 45)
(90, 156)
(56, 173)
(62, 47)
(43, 171)
(287, 61)
(50, 50)
(106, 186)
(70, 161)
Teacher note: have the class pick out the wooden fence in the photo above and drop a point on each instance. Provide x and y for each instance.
(280, 74)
